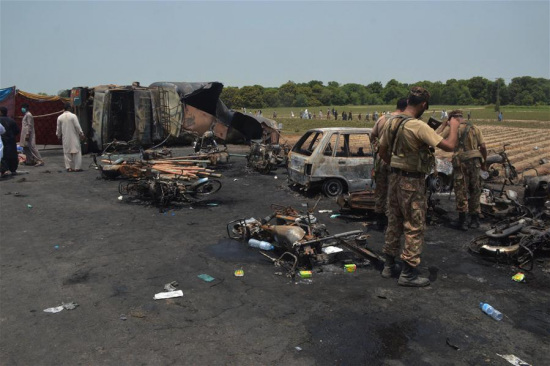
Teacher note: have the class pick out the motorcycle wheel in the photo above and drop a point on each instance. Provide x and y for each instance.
(207, 188)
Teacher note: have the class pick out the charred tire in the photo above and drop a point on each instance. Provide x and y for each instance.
(333, 187)
(209, 187)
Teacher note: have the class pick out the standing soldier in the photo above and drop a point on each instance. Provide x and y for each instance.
(469, 157)
(381, 169)
(405, 145)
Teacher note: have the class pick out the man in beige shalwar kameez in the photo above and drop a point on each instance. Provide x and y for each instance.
(70, 132)
(28, 138)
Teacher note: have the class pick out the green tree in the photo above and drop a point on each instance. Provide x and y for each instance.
(375, 88)
(313, 83)
(393, 91)
(326, 97)
(478, 89)
(252, 96)
(371, 99)
(65, 93)
(231, 98)
(339, 97)
(287, 94)
(271, 97)
(301, 100)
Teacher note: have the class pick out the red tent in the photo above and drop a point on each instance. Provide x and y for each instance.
(45, 110)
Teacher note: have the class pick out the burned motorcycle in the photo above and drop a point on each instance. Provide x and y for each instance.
(517, 242)
(499, 164)
(298, 236)
(161, 192)
(265, 157)
(208, 147)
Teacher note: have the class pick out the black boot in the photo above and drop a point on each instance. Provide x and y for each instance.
(390, 267)
(461, 222)
(409, 277)
(381, 221)
(474, 221)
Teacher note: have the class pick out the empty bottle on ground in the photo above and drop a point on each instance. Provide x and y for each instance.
(491, 311)
(264, 245)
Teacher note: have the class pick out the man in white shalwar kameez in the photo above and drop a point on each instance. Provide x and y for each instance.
(70, 132)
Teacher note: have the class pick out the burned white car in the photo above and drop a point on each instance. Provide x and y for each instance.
(338, 159)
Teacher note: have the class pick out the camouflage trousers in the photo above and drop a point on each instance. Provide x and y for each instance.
(381, 178)
(407, 206)
(467, 183)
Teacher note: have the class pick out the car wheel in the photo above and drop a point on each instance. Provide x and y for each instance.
(333, 187)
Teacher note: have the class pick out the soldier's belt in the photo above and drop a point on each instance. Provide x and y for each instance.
(407, 174)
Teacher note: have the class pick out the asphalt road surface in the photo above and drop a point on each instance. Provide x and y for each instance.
(79, 243)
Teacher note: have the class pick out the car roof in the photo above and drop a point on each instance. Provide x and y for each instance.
(343, 129)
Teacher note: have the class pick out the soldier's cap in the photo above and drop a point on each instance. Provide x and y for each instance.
(455, 113)
(420, 93)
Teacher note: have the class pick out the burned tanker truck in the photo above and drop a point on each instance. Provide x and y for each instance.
(173, 112)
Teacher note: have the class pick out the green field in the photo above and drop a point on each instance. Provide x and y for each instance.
(514, 116)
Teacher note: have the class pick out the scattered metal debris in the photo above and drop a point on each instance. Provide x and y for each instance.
(162, 191)
(514, 242)
(171, 286)
(300, 238)
(265, 157)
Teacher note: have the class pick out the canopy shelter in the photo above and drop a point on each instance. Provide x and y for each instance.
(45, 110)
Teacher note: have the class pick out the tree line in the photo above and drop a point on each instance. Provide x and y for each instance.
(478, 90)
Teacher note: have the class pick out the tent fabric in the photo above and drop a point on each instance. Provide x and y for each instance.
(45, 127)
(45, 110)
(7, 92)
(42, 97)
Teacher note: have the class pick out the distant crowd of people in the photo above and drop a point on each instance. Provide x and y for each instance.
(334, 114)
(348, 116)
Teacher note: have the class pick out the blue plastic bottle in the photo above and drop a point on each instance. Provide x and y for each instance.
(491, 311)
(264, 245)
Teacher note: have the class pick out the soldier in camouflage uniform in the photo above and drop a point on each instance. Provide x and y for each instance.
(381, 169)
(405, 146)
(468, 158)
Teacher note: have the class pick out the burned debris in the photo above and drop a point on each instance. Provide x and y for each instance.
(163, 191)
(157, 177)
(163, 112)
(518, 242)
(523, 232)
(298, 237)
(266, 157)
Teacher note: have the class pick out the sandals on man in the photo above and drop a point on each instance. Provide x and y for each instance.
(70, 170)
(40, 163)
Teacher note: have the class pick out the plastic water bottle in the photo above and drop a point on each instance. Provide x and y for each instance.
(491, 311)
(264, 245)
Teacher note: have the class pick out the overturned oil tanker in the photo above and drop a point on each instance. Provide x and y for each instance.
(172, 111)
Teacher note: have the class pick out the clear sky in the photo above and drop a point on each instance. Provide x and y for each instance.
(47, 46)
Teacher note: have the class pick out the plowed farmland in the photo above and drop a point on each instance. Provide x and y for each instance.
(527, 147)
